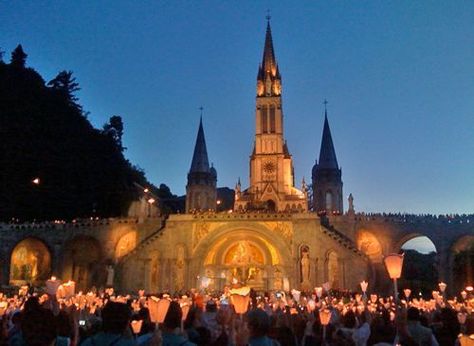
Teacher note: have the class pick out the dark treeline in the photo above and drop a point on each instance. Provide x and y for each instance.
(44, 133)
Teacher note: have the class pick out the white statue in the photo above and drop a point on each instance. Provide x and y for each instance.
(305, 267)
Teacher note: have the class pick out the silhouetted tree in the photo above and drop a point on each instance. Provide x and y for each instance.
(18, 59)
(44, 134)
(66, 84)
(114, 129)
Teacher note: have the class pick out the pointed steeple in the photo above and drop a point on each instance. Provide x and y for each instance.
(327, 154)
(200, 161)
(268, 61)
(268, 76)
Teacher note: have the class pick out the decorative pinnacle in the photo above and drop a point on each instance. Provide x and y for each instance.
(268, 16)
(325, 105)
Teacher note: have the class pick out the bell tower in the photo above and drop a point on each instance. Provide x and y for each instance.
(271, 165)
(327, 176)
(201, 192)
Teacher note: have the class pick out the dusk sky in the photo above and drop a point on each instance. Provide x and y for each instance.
(398, 76)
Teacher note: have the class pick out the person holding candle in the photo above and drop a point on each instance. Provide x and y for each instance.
(172, 335)
(421, 335)
(116, 319)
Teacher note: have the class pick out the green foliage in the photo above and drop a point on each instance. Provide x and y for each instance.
(44, 134)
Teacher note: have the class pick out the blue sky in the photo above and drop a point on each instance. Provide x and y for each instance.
(399, 78)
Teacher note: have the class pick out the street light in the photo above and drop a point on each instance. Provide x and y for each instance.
(394, 264)
(150, 201)
(36, 181)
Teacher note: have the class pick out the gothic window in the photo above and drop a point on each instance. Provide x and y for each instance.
(272, 119)
(264, 116)
(328, 200)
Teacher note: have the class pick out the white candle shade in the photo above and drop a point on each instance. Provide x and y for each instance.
(394, 264)
(52, 285)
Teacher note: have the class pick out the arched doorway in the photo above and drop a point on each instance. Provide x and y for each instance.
(420, 265)
(244, 261)
(30, 262)
(243, 256)
(83, 263)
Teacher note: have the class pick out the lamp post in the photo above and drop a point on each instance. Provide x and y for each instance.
(394, 264)
(150, 201)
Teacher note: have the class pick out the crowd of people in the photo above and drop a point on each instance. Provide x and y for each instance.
(103, 318)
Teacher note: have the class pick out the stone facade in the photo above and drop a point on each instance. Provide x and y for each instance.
(270, 240)
(263, 249)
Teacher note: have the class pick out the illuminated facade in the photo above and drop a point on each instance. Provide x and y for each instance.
(272, 182)
(270, 241)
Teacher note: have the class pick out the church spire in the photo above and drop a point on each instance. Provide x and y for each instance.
(200, 161)
(327, 176)
(327, 154)
(268, 76)
(268, 61)
(201, 192)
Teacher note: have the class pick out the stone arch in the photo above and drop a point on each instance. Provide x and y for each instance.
(462, 253)
(273, 251)
(421, 265)
(84, 262)
(30, 262)
(410, 236)
(369, 244)
(125, 244)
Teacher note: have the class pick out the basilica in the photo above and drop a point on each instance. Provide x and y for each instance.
(277, 236)
(272, 239)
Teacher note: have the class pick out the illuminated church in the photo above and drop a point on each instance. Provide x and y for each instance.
(277, 235)
(271, 239)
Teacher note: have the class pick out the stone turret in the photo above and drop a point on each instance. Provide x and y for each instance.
(201, 192)
(327, 177)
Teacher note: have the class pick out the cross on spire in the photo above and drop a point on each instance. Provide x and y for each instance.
(201, 109)
(268, 16)
(325, 105)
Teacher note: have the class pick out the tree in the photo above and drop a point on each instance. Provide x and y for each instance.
(66, 84)
(114, 129)
(18, 59)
